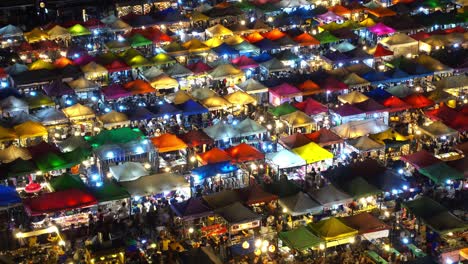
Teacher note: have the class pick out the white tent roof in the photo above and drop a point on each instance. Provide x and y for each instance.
(49, 116)
(359, 128)
(58, 32)
(83, 84)
(285, 159)
(152, 72)
(353, 97)
(364, 143)
(225, 71)
(12, 103)
(156, 184)
(252, 86)
(178, 70)
(273, 65)
(344, 47)
(109, 20)
(249, 127)
(292, 3)
(221, 131)
(300, 204)
(398, 39)
(10, 31)
(72, 143)
(203, 93)
(128, 171)
(114, 117)
(438, 129)
(453, 82)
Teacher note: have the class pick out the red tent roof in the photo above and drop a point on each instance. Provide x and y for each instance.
(274, 34)
(332, 84)
(370, 106)
(295, 140)
(324, 137)
(244, 62)
(395, 104)
(83, 60)
(62, 62)
(195, 138)
(284, 89)
(254, 37)
(420, 35)
(139, 87)
(443, 113)
(45, 45)
(308, 87)
(460, 122)
(151, 33)
(380, 51)
(347, 110)
(214, 155)
(117, 66)
(305, 39)
(311, 107)
(421, 159)
(24, 47)
(3, 73)
(59, 201)
(199, 67)
(340, 10)
(244, 152)
(418, 101)
(255, 194)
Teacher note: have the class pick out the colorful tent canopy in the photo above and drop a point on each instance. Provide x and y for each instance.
(418, 101)
(364, 144)
(226, 71)
(41, 65)
(199, 67)
(178, 71)
(438, 129)
(329, 195)
(191, 107)
(115, 91)
(58, 32)
(12, 153)
(300, 204)
(236, 213)
(191, 209)
(58, 201)
(249, 127)
(240, 98)
(83, 85)
(128, 171)
(421, 159)
(156, 184)
(36, 35)
(8, 196)
(255, 194)
(66, 182)
(364, 223)
(109, 191)
(214, 155)
(353, 97)
(244, 153)
(252, 86)
(113, 118)
(285, 90)
(311, 107)
(215, 103)
(440, 172)
(138, 40)
(139, 87)
(221, 131)
(79, 30)
(300, 239)
(332, 229)
(324, 137)
(381, 29)
(355, 129)
(395, 104)
(295, 140)
(285, 159)
(297, 119)
(115, 136)
(162, 58)
(195, 138)
(312, 153)
(244, 62)
(78, 111)
(30, 129)
(168, 142)
(218, 30)
(10, 31)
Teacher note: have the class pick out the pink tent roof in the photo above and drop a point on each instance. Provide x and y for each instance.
(348, 110)
(284, 89)
(244, 62)
(83, 60)
(199, 67)
(381, 29)
(332, 84)
(115, 91)
(420, 159)
(329, 17)
(311, 107)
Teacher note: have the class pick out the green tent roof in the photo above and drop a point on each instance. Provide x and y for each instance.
(110, 191)
(326, 37)
(17, 168)
(138, 40)
(332, 229)
(39, 101)
(245, 6)
(283, 109)
(163, 58)
(441, 172)
(78, 30)
(359, 187)
(282, 188)
(51, 161)
(77, 155)
(435, 215)
(300, 238)
(115, 136)
(67, 182)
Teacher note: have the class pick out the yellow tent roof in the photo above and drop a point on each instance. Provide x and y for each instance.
(78, 111)
(41, 65)
(368, 22)
(58, 32)
(197, 16)
(79, 30)
(332, 229)
(13, 152)
(218, 30)
(113, 117)
(312, 153)
(30, 129)
(213, 42)
(388, 134)
(234, 40)
(297, 119)
(163, 81)
(215, 103)
(195, 45)
(36, 35)
(353, 97)
(93, 67)
(180, 97)
(162, 58)
(225, 71)
(240, 98)
(7, 134)
(82, 84)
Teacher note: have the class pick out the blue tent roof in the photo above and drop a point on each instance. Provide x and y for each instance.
(302, 13)
(397, 75)
(378, 94)
(164, 109)
(262, 58)
(8, 196)
(140, 113)
(7, 92)
(266, 44)
(225, 49)
(213, 169)
(375, 77)
(192, 108)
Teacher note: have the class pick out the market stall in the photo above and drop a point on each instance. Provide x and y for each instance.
(333, 232)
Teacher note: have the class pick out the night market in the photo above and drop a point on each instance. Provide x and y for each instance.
(238, 132)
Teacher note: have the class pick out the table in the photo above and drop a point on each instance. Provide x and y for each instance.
(416, 251)
(375, 257)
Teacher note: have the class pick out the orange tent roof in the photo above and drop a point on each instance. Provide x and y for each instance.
(139, 87)
(274, 34)
(308, 87)
(168, 142)
(254, 37)
(305, 39)
(244, 152)
(340, 10)
(214, 155)
(62, 62)
(381, 12)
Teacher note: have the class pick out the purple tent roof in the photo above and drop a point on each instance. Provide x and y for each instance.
(284, 89)
(140, 113)
(58, 88)
(370, 106)
(347, 110)
(115, 91)
(329, 17)
(380, 29)
(84, 59)
(191, 209)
